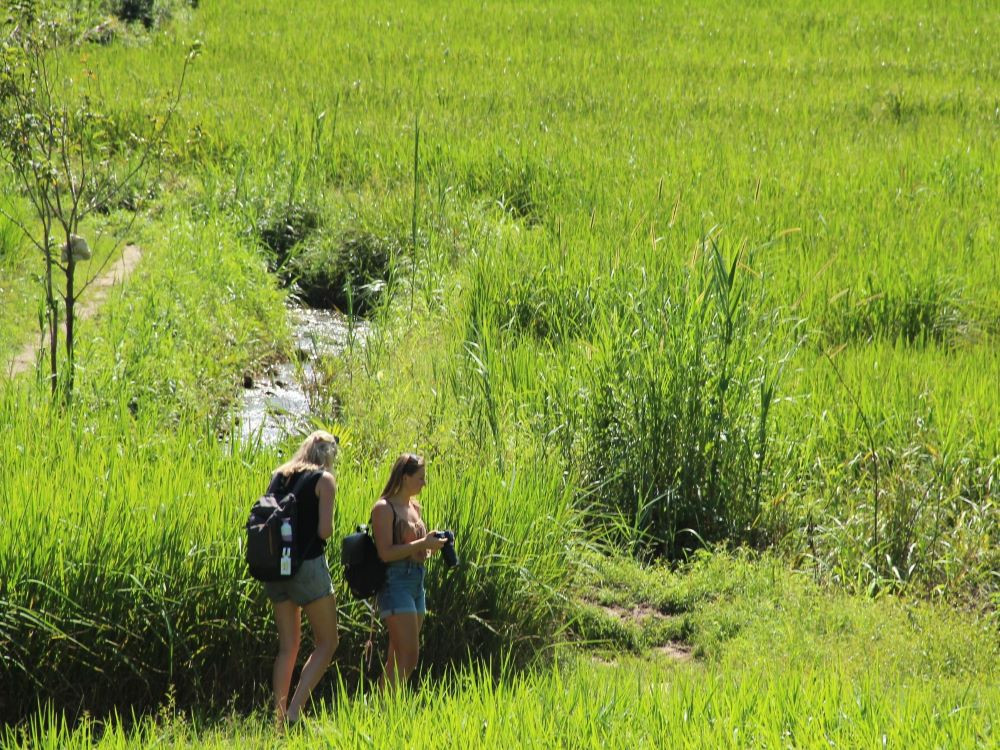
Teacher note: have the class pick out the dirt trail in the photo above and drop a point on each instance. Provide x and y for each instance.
(87, 306)
(672, 649)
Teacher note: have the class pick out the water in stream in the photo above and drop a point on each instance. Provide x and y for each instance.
(277, 403)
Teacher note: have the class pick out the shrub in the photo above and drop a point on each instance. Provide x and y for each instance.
(348, 271)
(134, 10)
(676, 431)
(917, 311)
(282, 226)
(149, 13)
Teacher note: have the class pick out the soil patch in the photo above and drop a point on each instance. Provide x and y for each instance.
(674, 650)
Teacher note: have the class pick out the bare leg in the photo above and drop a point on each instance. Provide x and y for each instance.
(390, 658)
(322, 616)
(287, 615)
(404, 648)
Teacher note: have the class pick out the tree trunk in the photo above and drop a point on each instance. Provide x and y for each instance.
(70, 325)
(52, 313)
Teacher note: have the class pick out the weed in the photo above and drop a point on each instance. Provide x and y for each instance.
(914, 310)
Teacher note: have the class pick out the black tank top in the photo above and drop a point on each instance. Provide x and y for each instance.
(307, 523)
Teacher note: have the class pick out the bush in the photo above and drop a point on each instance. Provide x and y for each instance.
(348, 271)
(149, 13)
(281, 227)
(676, 431)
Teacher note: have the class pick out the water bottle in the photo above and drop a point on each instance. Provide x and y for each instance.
(286, 550)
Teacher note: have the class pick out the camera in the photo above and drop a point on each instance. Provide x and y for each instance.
(448, 550)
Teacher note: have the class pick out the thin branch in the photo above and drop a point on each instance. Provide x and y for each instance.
(119, 241)
(12, 218)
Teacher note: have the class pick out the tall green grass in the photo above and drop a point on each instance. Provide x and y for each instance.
(864, 138)
(784, 661)
(125, 579)
(909, 499)
(677, 423)
(21, 296)
(124, 574)
(543, 336)
(583, 704)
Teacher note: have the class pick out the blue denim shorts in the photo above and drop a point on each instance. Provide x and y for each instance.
(403, 590)
(310, 582)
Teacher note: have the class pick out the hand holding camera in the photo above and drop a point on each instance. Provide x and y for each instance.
(448, 550)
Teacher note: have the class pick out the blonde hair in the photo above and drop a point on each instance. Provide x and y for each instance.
(316, 453)
(405, 465)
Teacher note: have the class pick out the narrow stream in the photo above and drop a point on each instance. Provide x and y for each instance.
(277, 404)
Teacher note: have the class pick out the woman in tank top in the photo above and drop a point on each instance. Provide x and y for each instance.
(310, 590)
(403, 543)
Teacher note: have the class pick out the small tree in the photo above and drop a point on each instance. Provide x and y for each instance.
(69, 161)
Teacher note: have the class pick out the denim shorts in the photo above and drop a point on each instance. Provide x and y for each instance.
(403, 591)
(310, 582)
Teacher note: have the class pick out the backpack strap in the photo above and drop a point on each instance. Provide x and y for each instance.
(299, 483)
(371, 525)
(394, 518)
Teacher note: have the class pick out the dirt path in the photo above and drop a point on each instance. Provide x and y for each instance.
(644, 616)
(88, 305)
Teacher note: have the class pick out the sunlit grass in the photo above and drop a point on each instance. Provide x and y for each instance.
(635, 703)
(574, 162)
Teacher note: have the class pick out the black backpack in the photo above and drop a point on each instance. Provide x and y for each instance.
(364, 570)
(265, 548)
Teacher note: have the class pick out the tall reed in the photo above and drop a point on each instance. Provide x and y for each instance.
(677, 428)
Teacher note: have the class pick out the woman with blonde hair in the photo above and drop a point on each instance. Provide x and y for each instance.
(310, 589)
(403, 543)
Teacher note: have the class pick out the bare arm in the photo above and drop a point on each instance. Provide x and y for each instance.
(326, 489)
(382, 519)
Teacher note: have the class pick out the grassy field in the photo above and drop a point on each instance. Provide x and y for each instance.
(642, 277)
(632, 703)
(781, 663)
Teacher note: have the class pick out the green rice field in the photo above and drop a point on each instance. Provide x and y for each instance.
(692, 308)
